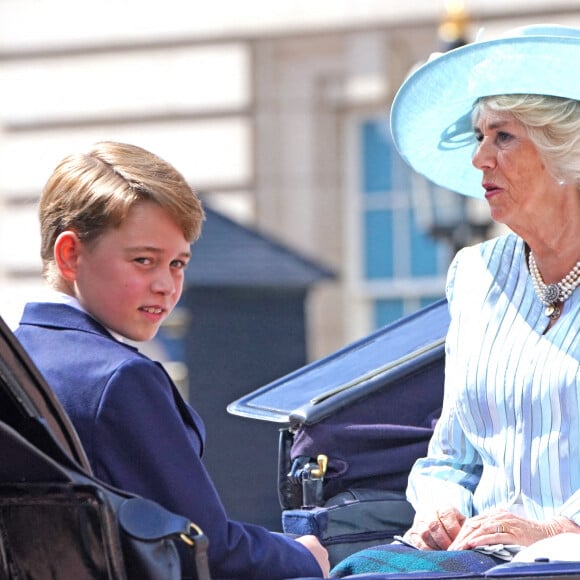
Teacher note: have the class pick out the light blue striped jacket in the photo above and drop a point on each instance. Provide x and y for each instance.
(509, 433)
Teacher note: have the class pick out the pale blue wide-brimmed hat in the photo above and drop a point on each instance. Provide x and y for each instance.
(431, 113)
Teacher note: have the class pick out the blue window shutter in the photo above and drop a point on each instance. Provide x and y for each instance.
(378, 243)
(394, 247)
(424, 251)
(387, 311)
(377, 158)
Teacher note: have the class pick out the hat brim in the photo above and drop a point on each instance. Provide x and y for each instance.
(431, 113)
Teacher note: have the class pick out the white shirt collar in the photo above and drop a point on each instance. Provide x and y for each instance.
(62, 298)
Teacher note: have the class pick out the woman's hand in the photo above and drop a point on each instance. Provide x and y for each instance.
(503, 527)
(435, 531)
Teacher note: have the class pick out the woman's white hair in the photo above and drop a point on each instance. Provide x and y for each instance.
(552, 124)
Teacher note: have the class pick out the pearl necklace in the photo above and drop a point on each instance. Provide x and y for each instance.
(552, 294)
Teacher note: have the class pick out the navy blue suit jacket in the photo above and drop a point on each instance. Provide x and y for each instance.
(141, 436)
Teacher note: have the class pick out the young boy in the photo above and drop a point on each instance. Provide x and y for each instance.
(116, 228)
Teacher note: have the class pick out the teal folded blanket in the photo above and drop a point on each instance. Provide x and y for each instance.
(399, 559)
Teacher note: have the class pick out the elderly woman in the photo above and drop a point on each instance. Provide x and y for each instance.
(501, 119)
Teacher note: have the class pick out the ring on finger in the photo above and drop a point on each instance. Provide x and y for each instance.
(500, 529)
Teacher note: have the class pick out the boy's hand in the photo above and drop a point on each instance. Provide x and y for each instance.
(318, 551)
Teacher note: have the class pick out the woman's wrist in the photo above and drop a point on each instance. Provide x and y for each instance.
(561, 525)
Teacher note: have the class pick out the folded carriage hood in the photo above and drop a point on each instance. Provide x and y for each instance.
(318, 389)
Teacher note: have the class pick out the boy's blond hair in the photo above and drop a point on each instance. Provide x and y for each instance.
(92, 192)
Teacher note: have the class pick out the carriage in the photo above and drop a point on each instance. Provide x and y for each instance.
(351, 425)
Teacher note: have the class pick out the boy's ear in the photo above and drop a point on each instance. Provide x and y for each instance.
(66, 254)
